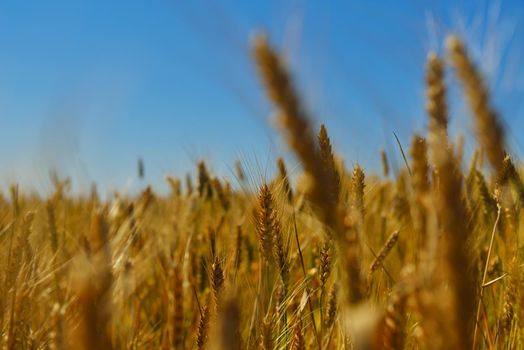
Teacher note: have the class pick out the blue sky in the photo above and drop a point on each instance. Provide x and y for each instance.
(87, 87)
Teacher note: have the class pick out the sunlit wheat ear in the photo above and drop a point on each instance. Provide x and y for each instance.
(489, 128)
(436, 91)
(265, 223)
(421, 185)
(189, 185)
(175, 185)
(217, 281)
(298, 128)
(385, 163)
(419, 165)
(357, 190)
(205, 189)
(51, 222)
(328, 159)
(284, 178)
(239, 171)
(203, 328)
(383, 253)
(325, 263)
(436, 105)
(15, 199)
(280, 90)
(280, 255)
(220, 192)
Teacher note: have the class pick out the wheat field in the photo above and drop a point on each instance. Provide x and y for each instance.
(342, 258)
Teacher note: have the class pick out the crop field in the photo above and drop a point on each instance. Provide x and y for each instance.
(341, 258)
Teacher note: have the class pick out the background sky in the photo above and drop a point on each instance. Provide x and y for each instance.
(88, 87)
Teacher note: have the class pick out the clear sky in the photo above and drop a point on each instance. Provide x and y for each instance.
(88, 87)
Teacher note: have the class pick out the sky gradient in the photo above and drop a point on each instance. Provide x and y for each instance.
(88, 87)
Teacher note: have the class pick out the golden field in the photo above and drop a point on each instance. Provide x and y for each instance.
(428, 258)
